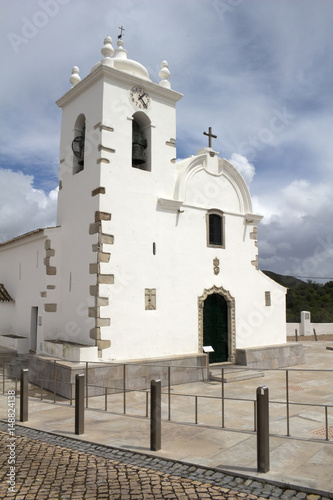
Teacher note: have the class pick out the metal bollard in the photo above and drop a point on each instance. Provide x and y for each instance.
(262, 429)
(24, 395)
(155, 415)
(79, 403)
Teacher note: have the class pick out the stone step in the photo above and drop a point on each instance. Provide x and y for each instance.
(235, 375)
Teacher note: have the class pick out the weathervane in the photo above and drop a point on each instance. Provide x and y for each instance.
(210, 135)
(121, 32)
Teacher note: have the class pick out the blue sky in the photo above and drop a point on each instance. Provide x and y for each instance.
(259, 72)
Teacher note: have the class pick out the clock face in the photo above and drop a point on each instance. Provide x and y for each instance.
(139, 98)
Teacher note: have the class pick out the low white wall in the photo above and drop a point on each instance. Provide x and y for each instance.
(321, 329)
(16, 342)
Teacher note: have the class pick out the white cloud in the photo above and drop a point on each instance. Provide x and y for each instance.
(23, 208)
(243, 166)
(296, 236)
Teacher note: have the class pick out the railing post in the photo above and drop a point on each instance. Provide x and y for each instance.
(3, 375)
(315, 335)
(326, 422)
(87, 386)
(79, 403)
(55, 381)
(222, 395)
(196, 409)
(296, 335)
(155, 415)
(106, 398)
(169, 392)
(24, 395)
(147, 404)
(124, 388)
(263, 429)
(287, 401)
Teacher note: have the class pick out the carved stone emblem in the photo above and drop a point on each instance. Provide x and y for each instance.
(216, 265)
(150, 299)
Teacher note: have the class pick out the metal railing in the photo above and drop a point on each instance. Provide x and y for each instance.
(122, 393)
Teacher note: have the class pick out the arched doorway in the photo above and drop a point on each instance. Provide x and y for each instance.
(217, 324)
(215, 327)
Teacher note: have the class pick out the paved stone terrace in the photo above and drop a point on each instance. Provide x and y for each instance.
(58, 467)
(112, 460)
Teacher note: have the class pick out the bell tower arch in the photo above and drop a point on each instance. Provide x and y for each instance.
(141, 141)
(78, 144)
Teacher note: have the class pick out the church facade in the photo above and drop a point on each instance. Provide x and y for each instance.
(151, 257)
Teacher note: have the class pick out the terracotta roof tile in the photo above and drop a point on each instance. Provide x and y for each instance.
(4, 295)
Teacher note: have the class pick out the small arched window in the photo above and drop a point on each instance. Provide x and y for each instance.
(215, 229)
(78, 144)
(141, 141)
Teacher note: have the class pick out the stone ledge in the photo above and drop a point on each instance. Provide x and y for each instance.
(275, 356)
(70, 352)
(139, 373)
(18, 343)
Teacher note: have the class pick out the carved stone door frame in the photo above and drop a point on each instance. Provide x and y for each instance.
(231, 319)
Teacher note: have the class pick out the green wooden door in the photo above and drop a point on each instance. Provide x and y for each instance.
(215, 327)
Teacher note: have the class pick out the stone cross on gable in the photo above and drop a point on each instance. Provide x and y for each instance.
(210, 135)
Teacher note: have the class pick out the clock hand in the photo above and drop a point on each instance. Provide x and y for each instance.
(141, 99)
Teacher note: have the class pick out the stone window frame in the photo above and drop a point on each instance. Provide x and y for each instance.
(220, 214)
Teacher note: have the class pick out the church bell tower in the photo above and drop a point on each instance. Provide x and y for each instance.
(117, 147)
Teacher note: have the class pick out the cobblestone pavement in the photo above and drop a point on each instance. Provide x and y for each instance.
(54, 467)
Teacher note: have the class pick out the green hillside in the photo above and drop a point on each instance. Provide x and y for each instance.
(302, 296)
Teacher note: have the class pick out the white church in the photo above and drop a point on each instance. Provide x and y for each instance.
(151, 258)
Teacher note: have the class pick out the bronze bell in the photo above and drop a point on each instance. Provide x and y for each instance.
(138, 155)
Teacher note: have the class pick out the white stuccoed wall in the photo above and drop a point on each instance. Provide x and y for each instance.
(305, 327)
(321, 329)
(22, 274)
(182, 268)
(23, 270)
